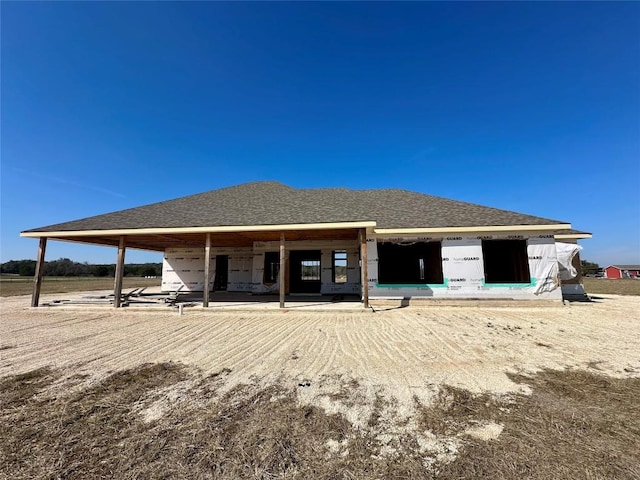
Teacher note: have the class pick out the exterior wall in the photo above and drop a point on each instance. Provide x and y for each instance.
(462, 264)
(326, 247)
(183, 268)
(463, 270)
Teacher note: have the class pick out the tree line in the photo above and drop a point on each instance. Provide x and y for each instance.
(65, 267)
(590, 268)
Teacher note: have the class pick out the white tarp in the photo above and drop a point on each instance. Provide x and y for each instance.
(565, 253)
(543, 266)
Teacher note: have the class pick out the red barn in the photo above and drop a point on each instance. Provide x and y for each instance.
(622, 271)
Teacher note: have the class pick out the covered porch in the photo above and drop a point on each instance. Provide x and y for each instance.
(214, 239)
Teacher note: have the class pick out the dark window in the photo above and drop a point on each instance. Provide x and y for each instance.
(310, 270)
(505, 261)
(410, 263)
(271, 267)
(339, 266)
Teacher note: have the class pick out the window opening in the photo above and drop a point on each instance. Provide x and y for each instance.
(506, 261)
(339, 266)
(415, 263)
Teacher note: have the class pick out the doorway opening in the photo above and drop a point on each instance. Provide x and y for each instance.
(304, 271)
(222, 273)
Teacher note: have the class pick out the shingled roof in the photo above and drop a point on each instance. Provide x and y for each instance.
(273, 203)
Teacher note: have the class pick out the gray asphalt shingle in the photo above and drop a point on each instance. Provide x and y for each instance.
(272, 203)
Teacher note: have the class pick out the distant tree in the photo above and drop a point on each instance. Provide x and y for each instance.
(27, 268)
(64, 267)
(19, 267)
(101, 271)
(131, 270)
(589, 268)
(149, 272)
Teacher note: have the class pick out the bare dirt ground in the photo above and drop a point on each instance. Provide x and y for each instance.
(404, 348)
(387, 366)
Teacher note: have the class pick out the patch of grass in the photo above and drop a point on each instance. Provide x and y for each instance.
(81, 436)
(575, 425)
(16, 390)
(222, 373)
(379, 404)
(621, 286)
(454, 409)
(13, 286)
(348, 393)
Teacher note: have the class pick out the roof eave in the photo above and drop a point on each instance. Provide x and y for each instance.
(369, 225)
(473, 229)
(211, 229)
(573, 236)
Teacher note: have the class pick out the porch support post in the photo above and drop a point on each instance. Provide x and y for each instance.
(364, 271)
(207, 270)
(37, 279)
(117, 289)
(281, 276)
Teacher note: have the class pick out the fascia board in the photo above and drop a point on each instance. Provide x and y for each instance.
(474, 230)
(218, 229)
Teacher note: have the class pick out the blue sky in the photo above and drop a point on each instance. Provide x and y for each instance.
(533, 107)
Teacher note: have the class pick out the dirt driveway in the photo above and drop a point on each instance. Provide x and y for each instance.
(404, 353)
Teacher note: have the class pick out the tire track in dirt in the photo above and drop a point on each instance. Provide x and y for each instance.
(240, 353)
(325, 358)
(312, 352)
(103, 340)
(270, 344)
(154, 345)
(407, 331)
(234, 344)
(50, 343)
(216, 329)
(37, 325)
(383, 340)
(456, 350)
(198, 329)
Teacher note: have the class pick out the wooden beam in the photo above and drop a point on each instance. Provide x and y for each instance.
(282, 270)
(117, 289)
(207, 270)
(364, 268)
(37, 279)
